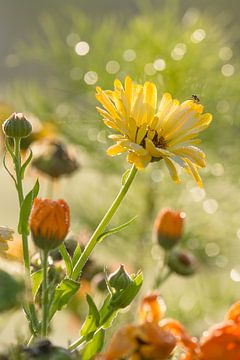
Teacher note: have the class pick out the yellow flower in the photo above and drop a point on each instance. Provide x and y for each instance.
(6, 234)
(149, 133)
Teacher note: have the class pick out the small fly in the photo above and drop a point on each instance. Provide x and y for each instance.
(195, 98)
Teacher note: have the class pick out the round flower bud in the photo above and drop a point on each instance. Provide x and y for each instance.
(168, 228)
(55, 160)
(182, 262)
(17, 126)
(49, 223)
(120, 279)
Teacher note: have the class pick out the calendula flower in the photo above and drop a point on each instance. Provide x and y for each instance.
(148, 133)
(168, 227)
(6, 234)
(221, 342)
(49, 222)
(142, 342)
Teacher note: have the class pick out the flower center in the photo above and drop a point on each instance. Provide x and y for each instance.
(159, 141)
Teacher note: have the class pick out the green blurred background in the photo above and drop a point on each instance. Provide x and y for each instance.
(53, 54)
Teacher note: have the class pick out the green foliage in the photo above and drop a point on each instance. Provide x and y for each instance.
(26, 209)
(11, 291)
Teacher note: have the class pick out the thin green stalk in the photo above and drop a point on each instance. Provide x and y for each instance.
(17, 162)
(44, 329)
(21, 198)
(103, 224)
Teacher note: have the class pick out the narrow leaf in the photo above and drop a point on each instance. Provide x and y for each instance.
(116, 229)
(67, 259)
(76, 255)
(125, 176)
(92, 321)
(36, 278)
(26, 209)
(24, 166)
(94, 346)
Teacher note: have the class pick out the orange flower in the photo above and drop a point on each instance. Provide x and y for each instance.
(234, 313)
(184, 340)
(168, 227)
(49, 222)
(152, 308)
(146, 341)
(221, 342)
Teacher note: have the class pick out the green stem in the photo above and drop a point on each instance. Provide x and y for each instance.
(17, 142)
(17, 162)
(45, 293)
(164, 272)
(103, 224)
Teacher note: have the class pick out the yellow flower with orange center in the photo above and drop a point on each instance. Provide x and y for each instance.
(49, 222)
(148, 133)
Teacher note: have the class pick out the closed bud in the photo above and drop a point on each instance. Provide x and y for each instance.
(168, 228)
(182, 262)
(49, 223)
(120, 279)
(17, 126)
(56, 160)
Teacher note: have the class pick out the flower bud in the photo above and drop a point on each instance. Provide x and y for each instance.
(168, 228)
(17, 126)
(120, 279)
(56, 160)
(49, 223)
(182, 262)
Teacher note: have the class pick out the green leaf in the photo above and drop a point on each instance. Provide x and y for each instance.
(125, 176)
(63, 294)
(76, 255)
(26, 209)
(94, 346)
(67, 259)
(24, 166)
(36, 278)
(10, 150)
(116, 229)
(92, 321)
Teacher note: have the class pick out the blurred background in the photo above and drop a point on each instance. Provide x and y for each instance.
(52, 56)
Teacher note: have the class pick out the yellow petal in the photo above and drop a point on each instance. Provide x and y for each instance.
(150, 100)
(156, 152)
(139, 161)
(116, 150)
(172, 170)
(194, 171)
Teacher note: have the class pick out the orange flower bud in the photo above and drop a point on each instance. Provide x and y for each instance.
(49, 223)
(168, 227)
(152, 308)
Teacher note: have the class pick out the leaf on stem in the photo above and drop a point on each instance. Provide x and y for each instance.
(94, 346)
(63, 294)
(125, 177)
(116, 229)
(76, 255)
(67, 259)
(36, 278)
(26, 209)
(92, 321)
(8, 171)
(24, 166)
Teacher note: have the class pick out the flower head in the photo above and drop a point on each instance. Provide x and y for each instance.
(6, 234)
(168, 227)
(49, 222)
(148, 133)
(17, 126)
(55, 160)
